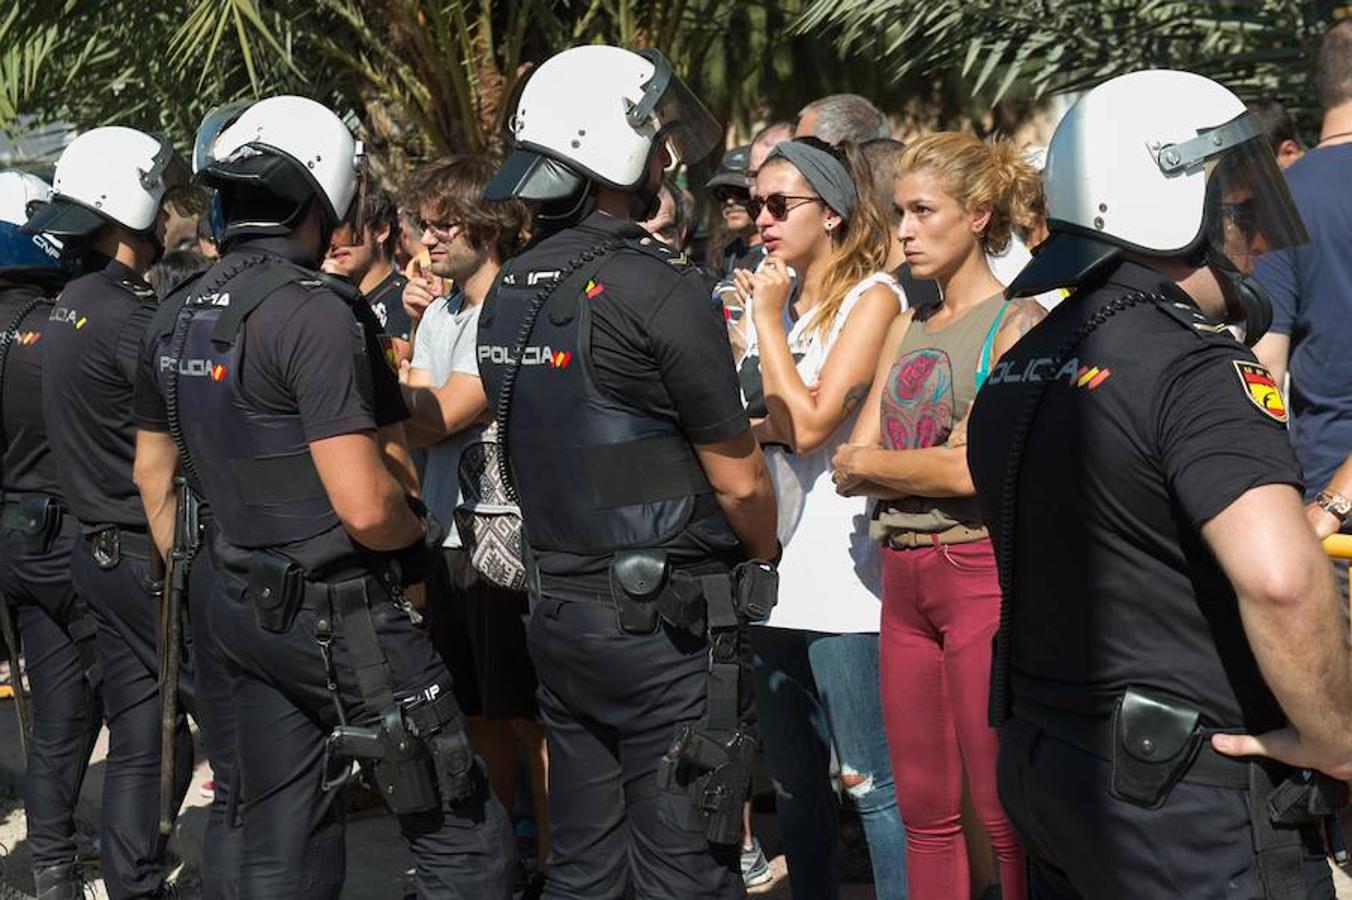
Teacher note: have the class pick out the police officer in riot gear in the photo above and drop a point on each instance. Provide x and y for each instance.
(107, 209)
(1169, 620)
(641, 488)
(54, 627)
(273, 394)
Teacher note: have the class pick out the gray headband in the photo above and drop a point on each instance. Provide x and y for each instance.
(824, 172)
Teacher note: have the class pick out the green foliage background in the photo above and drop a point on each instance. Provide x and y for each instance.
(424, 77)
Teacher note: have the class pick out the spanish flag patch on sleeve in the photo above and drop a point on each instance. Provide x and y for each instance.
(1261, 389)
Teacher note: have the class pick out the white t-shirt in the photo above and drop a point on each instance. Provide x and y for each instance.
(445, 344)
(1009, 264)
(830, 579)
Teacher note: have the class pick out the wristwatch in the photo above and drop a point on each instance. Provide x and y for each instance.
(1334, 504)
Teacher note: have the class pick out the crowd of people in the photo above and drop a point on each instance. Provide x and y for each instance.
(559, 490)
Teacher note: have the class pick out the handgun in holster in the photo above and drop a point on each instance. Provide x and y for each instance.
(716, 775)
(399, 762)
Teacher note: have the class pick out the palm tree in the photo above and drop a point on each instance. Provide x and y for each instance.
(1257, 47)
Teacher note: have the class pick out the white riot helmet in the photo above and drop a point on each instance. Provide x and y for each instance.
(110, 174)
(268, 161)
(26, 257)
(594, 114)
(1165, 164)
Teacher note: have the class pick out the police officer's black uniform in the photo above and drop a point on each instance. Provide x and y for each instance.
(55, 628)
(315, 628)
(626, 367)
(1120, 619)
(90, 351)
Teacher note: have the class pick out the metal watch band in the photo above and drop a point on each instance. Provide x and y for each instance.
(1334, 504)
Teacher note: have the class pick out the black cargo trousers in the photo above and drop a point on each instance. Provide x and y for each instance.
(65, 709)
(121, 590)
(293, 815)
(1085, 844)
(611, 703)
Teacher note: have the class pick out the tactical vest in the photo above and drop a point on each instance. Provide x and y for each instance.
(593, 474)
(254, 466)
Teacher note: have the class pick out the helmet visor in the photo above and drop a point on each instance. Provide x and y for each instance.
(213, 123)
(167, 171)
(681, 119)
(1249, 209)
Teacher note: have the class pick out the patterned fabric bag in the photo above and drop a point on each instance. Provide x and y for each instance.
(488, 522)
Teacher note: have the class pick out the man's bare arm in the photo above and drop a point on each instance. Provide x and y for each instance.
(1274, 351)
(736, 469)
(368, 500)
(394, 449)
(153, 471)
(1291, 614)
(439, 412)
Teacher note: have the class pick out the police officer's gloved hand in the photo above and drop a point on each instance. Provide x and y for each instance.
(417, 560)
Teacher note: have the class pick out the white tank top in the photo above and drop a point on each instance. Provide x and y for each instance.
(830, 579)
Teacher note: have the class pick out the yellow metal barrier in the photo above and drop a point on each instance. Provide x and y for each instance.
(1338, 546)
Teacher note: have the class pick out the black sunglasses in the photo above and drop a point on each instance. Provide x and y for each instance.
(778, 205)
(726, 194)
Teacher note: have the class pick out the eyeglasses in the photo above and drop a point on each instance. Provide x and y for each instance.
(440, 230)
(726, 195)
(778, 205)
(1243, 215)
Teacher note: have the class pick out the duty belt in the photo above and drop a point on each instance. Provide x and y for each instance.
(1095, 736)
(12, 515)
(110, 543)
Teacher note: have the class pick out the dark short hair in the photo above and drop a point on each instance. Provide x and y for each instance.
(174, 268)
(1276, 122)
(882, 154)
(378, 210)
(453, 188)
(1333, 75)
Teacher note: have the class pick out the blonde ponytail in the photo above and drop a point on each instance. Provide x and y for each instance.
(976, 173)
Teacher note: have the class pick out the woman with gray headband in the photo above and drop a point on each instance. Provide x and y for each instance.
(811, 354)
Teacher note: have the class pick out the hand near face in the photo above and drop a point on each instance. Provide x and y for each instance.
(418, 293)
(770, 287)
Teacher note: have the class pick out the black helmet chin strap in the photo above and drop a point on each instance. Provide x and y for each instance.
(1245, 299)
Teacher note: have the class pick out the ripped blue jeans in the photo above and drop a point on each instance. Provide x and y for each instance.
(814, 692)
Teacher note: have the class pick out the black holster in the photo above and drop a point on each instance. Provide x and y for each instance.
(277, 588)
(716, 774)
(41, 516)
(1286, 806)
(1154, 743)
(398, 761)
(453, 760)
(755, 591)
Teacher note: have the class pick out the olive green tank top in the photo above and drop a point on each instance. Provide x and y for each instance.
(929, 390)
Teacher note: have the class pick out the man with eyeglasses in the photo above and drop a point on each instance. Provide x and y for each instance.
(478, 627)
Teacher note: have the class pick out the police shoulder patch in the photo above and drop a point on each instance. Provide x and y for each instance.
(1261, 389)
(654, 247)
(1195, 320)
